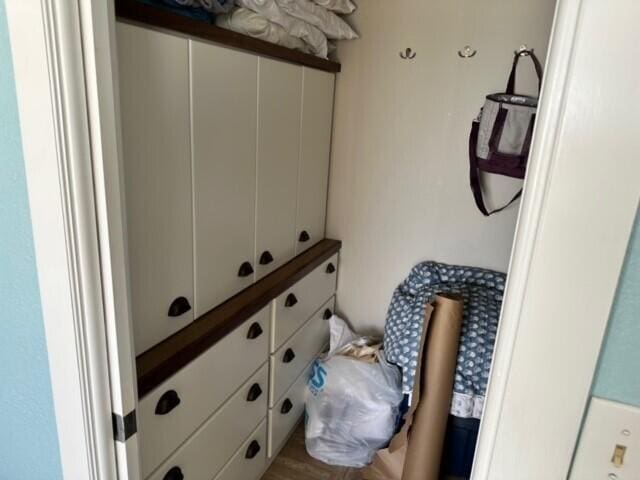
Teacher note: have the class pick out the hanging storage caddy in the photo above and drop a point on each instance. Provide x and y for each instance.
(501, 135)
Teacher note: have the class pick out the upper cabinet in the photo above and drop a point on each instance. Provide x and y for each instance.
(280, 101)
(315, 150)
(154, 95)
(224, 99)
(226, 159)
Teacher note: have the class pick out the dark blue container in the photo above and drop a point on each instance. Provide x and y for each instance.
(459, 446)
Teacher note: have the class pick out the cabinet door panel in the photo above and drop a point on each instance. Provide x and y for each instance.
(224, 111)
(315, 149)
(280, 99)
(154, 94)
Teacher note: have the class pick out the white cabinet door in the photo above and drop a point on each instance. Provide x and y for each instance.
(224, 110)
(315, 149)
(280, 99)
(154, 106)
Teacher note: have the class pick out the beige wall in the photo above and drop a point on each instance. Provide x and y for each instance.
(399, 190)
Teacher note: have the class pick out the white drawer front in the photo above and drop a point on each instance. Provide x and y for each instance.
(285, 414)
(296, 305)
(250, 460)
(289, 361)
(203, 455)
(201, 387)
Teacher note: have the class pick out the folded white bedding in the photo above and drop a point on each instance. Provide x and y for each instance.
(255, 25)
(330, 24)
(339, 6)
(293, 26)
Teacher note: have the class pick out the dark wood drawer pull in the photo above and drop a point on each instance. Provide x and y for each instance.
(304, 236)
(286, 406)
(255, 330)
(331, 268)
(288, 356)
(327, 314)
(254, 393)
(252, 450)
(291, 300)
(245, 270)
(168, 401)
(266, 258)
(178, 307)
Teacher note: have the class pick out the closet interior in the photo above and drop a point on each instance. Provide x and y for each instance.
(273, 179)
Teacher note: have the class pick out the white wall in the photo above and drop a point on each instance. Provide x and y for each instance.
(399, 189)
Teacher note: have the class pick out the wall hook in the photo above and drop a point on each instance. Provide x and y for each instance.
(467, 52)
(523, 51)
(408, 54)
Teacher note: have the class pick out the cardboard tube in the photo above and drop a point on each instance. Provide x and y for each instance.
(426, 436)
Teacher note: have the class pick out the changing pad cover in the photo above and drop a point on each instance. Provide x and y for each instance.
(482, 291)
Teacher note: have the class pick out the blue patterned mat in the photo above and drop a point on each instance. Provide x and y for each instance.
(482, 292)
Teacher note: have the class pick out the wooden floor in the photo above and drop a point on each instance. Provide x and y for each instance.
(294, 463)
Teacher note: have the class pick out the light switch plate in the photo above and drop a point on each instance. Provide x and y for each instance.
(608, 424)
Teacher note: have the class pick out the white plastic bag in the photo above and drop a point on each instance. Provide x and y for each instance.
(353, 405)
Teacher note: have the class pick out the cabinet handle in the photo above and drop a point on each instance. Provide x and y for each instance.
(304, 236)
(327, 314)
(245, 270)
(179, 306)
(254, 392)
(174, 474)
(266, 258)
(291, 300)
(286, 406)
(252, 450)
(168, 401)
(255, 330)
(288, 356)
(331, 268)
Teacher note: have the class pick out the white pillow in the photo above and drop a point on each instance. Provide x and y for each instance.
(331, 24)
(293, 26)
(255, 25)
(339, 6)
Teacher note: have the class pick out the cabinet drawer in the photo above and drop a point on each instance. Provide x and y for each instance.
(289, 361)
(196, 391)
(296, 305)
(285, 414)
(203, 455)
(250, 460)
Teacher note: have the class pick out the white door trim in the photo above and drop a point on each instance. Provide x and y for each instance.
(551, 332)
(62, 62)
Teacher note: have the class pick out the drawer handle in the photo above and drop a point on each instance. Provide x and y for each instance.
(252, 450)
(174, 474)
(255, 330)
(245, 270)
(254, 392)
(327, 314)
(304, 236)
(168, 401)
(288, 356)
(291, 300)
(331, 268)
(286, 406)
(179, 306)
(266, 258)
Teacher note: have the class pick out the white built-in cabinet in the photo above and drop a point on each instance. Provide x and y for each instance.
(279, 110)
(224, 96)
(226, 159)
(154, 111)
(315, 149)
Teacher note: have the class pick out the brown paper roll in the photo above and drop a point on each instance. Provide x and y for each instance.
(426, 436)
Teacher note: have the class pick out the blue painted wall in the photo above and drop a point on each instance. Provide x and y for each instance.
(618, 376)
(28, 437)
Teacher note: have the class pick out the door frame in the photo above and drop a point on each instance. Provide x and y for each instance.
(65, 62)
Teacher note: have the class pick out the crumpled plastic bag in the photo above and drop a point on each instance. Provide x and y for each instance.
(353, 405)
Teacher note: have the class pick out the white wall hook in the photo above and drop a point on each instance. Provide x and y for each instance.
(467, 52)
